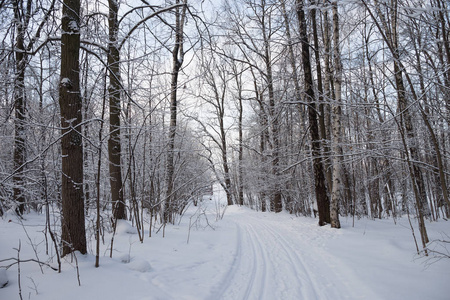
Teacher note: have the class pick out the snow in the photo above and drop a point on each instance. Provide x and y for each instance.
(3, 278)
(123, 228)
(246, 255)
(66, 82)
(140, 265)
(73, 26)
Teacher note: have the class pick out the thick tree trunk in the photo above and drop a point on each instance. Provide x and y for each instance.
(73, 230)
(114, 90)
(323, 202)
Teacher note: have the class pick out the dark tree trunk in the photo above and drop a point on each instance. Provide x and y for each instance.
(177, 60)
(226, 169)
(19, 106)
(73, 230)
(240, 198)
(114, 90)
(324, 92)
(263, 137)
(323, 202)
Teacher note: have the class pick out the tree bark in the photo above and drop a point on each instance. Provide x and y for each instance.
(275, 201)
(73, 230)
(323, 202)
(114, 90)
(19, 105)
(263, 137)
(324, 90)
(336, 192)
(292, 61)
(177, 61)
(238, 80)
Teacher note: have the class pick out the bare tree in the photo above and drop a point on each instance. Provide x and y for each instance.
(24, 43)
(114, 91)
(216, 80)
(73, 230)
(323, 202)
(177, 62)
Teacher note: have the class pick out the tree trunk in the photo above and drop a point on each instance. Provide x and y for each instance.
(114, 90)
(262, 139)
(446, 44)
(325, 93)
(226, 169)
(19, 106)
(177, 60)
(323, 202)
(292, 61)
(390, 35)
(238, 78)
(406, 121)
(73, 230)
(336, 192)
(275, 201)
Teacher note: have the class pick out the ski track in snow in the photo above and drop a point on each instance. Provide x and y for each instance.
(252, 256)
(273, 261)
(268, 266)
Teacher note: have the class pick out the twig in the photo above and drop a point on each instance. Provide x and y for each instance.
(18, 261)
(18, 271)
(31, 242)
(78, 270)
(35, 288)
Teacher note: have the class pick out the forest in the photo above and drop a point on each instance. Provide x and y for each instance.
(137, 110)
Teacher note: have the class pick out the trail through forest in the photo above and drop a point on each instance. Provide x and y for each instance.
(245, 255)
(273, 261)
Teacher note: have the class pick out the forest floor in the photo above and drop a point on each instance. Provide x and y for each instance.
(245, 255)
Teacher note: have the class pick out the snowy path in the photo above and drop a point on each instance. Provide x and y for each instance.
(274, 262)
(248, 255)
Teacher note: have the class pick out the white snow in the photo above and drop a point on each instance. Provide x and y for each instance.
(123, 228)
(66, 82)
(246, 255)
(139, 265)
(73, 26)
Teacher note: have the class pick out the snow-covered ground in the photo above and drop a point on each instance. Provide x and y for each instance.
(246, 255)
